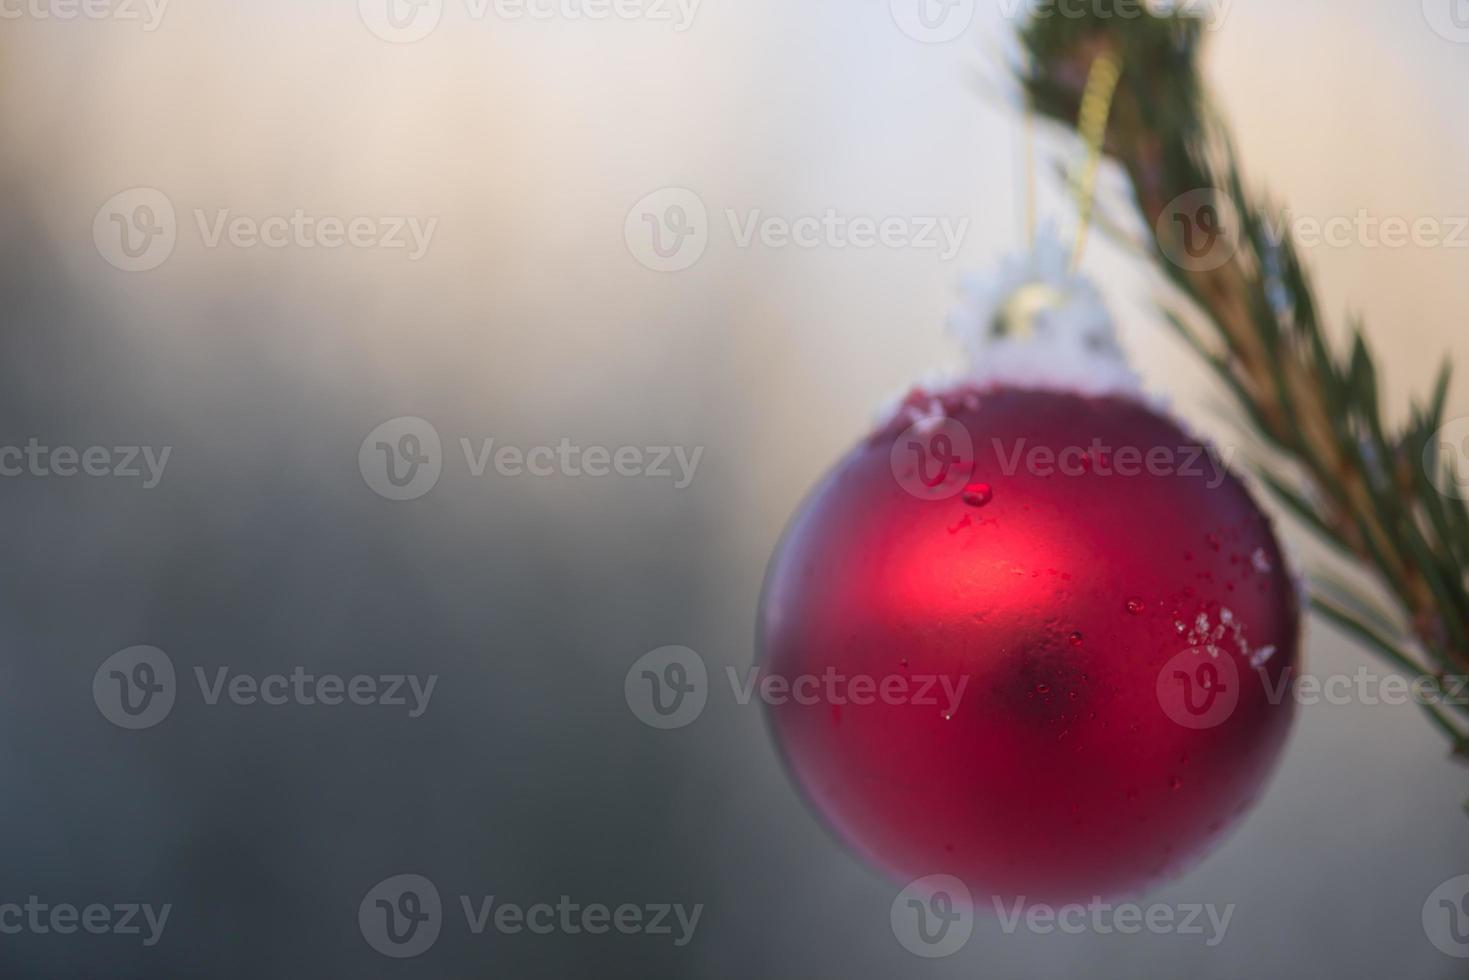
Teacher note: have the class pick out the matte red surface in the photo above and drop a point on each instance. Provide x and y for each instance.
(1059, 598)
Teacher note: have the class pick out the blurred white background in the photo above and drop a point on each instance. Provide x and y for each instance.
(530, 315)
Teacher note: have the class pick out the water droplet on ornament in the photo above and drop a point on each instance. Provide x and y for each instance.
(1136, 606)
(978, 494)
(1076, 639)
(1043, 688)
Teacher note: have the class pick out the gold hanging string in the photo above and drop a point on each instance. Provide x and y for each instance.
(1096, 108)
(1030, 178)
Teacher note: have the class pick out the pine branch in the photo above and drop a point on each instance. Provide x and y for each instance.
(1363, 486)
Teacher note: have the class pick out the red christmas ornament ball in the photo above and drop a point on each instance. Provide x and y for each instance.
(1033, 639)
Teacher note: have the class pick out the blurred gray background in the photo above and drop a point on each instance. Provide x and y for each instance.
(530, 320)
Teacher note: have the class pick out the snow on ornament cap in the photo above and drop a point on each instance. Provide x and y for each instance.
(1034, 323)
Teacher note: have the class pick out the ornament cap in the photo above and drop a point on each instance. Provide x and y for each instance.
(1035, 323)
